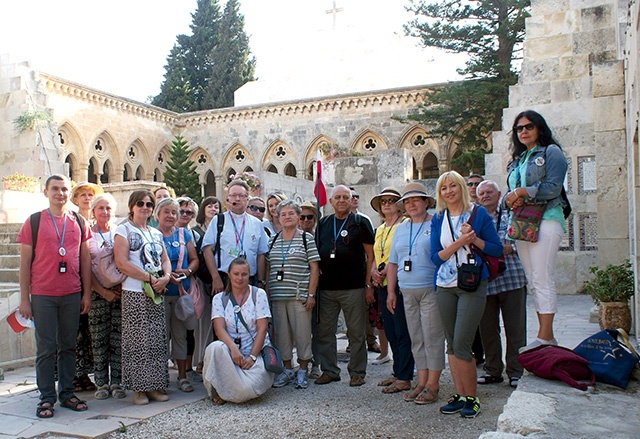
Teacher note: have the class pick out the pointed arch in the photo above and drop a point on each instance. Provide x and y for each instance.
(272, 168)
(229, 173)
(369, 142)
(290, 170)
(127, 174)
(203, 162)
(71, 143)
(136, 154)
(319, 143)
(140, 175)
(71, 164)
(92, 171)
(278, 154)
(237, 156)
(161, 160)
(107, 172)
(104, 148)
(209, 184)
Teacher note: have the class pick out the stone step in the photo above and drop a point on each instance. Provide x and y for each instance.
(7, 288)
(10, 228)
(11, 248)
(8, 237)
(9, 275)
(9, 261)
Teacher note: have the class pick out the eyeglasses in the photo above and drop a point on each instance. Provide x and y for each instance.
(388, 200)
(306, 217)
(356, 196)
(258, 208)
(473, 183)
(529, 127)
(149, 204)
(237, 195)
(186, 212)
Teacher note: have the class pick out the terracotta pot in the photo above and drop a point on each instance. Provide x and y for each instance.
(613, 315)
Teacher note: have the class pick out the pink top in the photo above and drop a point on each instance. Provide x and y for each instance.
(46, 279)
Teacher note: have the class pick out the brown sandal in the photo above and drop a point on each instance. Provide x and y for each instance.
(387, 382)
(395, 387)
(427, 396)
(411, 396)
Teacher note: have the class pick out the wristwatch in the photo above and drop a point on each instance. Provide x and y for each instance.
(367, 286)
(311, 295)
(253, 357)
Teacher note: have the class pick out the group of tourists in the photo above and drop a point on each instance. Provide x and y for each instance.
(269, 272)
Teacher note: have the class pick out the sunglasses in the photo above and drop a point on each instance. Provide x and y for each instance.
(474, 183)
(258, 208)
(529, 127)
(306, 217)
(149, 204)
(186, 212)
(356, 196)
(388, 200)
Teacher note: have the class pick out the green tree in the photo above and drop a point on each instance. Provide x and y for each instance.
(205, 68)
(491, 33)
(232, 63)
(181, 172)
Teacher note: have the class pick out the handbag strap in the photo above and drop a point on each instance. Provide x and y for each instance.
(453, 236)
(234, 302)
(624, 339)
(181, 253)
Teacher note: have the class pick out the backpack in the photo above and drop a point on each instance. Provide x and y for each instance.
(34, 219)
(203, 272)
(304, 241)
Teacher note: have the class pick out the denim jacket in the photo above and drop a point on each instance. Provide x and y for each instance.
(546, 170)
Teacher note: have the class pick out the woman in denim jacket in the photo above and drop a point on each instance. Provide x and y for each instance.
(537, 174)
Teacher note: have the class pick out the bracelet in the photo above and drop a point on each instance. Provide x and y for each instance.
(149, 277)
(189, 270)
(253, 357)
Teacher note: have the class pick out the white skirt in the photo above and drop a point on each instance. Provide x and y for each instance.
(230, 381)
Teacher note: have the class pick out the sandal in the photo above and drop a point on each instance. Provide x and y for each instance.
(185, 385)
(395, 387)
(84, 384)
(387, 382)
(427, 396)
(216, 399)
(489, 379)
(118, 392)
(513, 381)
(102, 392)
(74, 403)
(411, 396)
(44, 410)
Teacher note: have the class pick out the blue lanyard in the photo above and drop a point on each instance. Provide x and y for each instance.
(61, 250)
(336, 234)
(284, 255)
(239, 236)
(105, 243)
(412, 239)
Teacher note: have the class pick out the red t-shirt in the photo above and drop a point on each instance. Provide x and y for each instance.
(46, 279)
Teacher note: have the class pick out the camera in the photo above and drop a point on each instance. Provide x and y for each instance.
(181, 276)
(381, 266)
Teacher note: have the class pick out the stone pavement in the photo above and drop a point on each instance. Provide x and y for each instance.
(538, 408)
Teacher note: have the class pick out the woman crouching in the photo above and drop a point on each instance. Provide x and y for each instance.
(233, 368)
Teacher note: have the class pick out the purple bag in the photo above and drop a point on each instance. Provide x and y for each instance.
(558, 363)
(525, 222)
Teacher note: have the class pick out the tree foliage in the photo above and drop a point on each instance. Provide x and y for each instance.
(205, 68)
(181, 172)
(491, 33)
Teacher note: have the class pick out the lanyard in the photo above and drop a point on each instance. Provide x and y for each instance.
(412, 239)
(239, 235)
(105, 243)
(237, 309)
(284, 254)
(149, 240)
(383, 242)
(336, 234)
(61, 250)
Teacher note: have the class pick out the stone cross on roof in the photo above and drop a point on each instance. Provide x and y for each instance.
(334, 11)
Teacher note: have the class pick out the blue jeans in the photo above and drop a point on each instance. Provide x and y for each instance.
(56, 320)
(395, 327)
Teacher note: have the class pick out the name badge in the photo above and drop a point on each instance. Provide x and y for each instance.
(407, 265)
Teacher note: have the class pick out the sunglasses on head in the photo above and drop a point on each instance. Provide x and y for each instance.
(529, 127)
(473, 183)
(258, 208)
(306, 217)
(186, 212)
(142, 204)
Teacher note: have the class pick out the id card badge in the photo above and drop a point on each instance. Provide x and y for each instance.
(234, 253)
(238, 342)
(280, 275)
(332, 255)
(407, 265)
(62, 267)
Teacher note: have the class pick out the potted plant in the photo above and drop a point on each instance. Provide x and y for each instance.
(611, 288)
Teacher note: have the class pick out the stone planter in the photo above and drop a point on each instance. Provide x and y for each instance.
(613, 315)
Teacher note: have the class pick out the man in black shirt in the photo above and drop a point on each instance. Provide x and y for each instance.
(345, 244)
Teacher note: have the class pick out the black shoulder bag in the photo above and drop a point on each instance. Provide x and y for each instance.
(469, 274)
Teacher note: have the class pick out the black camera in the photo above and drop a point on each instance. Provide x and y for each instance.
(381, 266)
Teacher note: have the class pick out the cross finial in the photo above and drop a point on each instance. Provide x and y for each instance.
(334, 11)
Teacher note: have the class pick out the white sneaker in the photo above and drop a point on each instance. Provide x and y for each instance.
(284, 378)
(301, 380)
(537, 342)
(382, 360)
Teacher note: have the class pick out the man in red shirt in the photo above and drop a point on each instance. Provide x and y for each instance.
(55, 282)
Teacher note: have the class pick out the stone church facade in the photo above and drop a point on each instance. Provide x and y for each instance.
(580, 70)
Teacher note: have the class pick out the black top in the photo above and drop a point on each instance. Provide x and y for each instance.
(347, 270)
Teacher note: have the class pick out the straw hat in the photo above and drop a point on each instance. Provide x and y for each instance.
(417, 190)
(308, 205)
(97, 190)
(389, 191)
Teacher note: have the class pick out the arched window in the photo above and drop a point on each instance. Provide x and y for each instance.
(290, 170)
(273, 169)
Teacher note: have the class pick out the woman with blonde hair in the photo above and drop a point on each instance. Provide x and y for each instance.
(273, 199)
(457, 226)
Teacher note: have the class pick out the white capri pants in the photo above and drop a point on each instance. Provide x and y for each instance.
(539, 263)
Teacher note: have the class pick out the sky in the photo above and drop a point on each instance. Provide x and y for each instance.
(302, 50)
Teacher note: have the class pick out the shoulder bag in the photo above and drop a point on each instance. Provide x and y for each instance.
(469, 274)
(194, 287)
(106, 270)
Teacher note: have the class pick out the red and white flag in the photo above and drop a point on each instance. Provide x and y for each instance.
(318, 185)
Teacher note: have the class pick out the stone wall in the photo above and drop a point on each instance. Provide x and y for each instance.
(572, 74)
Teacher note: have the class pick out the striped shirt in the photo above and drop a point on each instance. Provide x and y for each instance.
(291, 258)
